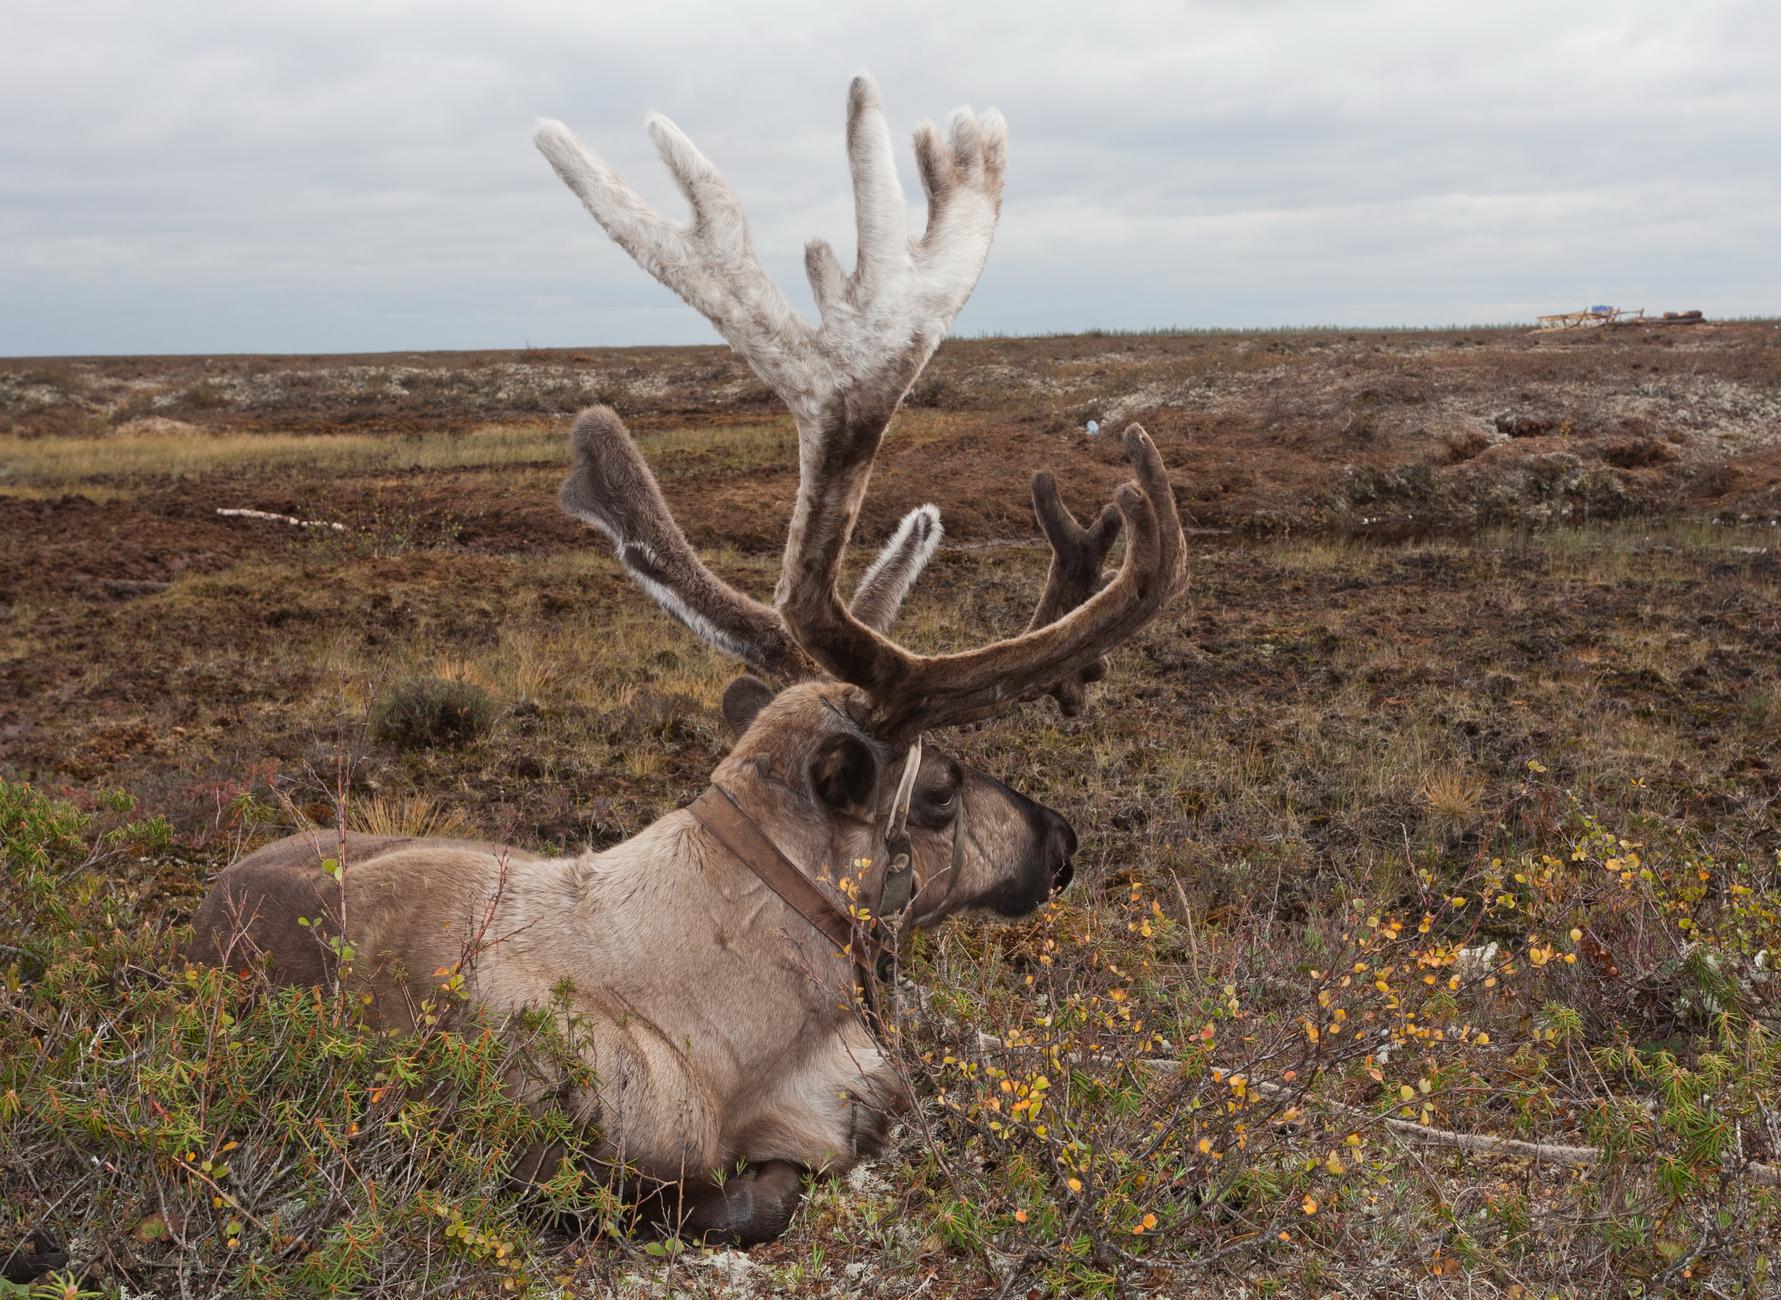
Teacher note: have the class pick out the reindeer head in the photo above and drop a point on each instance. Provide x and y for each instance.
(824, 761)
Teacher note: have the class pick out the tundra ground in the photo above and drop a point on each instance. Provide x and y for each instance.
(1445, 803)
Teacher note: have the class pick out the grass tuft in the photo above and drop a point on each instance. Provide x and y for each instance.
(418, 815)
(433, 713)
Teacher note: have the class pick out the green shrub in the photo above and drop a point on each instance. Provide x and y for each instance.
(43, 854)
(433, 712)
(1117, 1089)
(187, 1130)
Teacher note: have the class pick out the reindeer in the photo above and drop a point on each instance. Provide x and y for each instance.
(727, 964)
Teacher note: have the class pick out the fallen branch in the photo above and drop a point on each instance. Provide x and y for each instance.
(1557, 1153)
(281, 519)
(1428, 1136)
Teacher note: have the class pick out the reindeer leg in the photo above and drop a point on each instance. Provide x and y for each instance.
(744, 1210)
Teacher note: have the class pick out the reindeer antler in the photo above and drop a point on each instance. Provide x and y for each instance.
(843, 380)
(911, 692)
(1077, 554)
(610, 486)
(883, 321)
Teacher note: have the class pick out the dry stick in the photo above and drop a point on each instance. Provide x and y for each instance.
(1426, 1135)
(280, 519)
(1193, 938)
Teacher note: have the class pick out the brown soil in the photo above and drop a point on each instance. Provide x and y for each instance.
(1383, 436)
(1262, 432)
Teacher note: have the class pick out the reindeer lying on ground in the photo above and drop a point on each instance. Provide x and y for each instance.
(725, 986)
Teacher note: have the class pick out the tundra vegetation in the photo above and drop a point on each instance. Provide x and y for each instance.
(1444, 803)
(724, 1012)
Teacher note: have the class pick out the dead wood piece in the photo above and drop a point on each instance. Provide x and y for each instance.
(280, 519)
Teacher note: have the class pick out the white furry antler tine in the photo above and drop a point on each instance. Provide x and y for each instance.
(710, 263)
(881, 589)
(881, 219)
(891, 313)
(963, 183)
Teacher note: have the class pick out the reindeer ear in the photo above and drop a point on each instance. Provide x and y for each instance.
(844, 774)
(743, 698)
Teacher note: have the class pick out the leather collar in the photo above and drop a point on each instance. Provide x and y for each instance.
(859, 937)
(718, 811)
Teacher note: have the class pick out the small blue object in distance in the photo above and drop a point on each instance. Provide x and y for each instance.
(1094, 428)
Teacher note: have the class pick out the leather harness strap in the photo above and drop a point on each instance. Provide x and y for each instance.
(897, 890)
(719, 814)
(717, 810)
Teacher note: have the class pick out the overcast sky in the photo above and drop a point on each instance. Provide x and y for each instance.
(348, 175)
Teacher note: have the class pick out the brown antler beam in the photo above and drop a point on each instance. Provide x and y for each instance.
(1077, 554)
(912, 692)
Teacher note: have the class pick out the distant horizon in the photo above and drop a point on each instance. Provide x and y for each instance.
(987, 336)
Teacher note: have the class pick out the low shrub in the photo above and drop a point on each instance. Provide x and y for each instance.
(1549, 1058)
(433, 712)
(187, 1130)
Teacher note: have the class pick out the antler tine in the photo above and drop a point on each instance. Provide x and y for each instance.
(881, 219)
(611, 487)
(881, 589)
(912, 692)
(1077, 554)
(711, 263)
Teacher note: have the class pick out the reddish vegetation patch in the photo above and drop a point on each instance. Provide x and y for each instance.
(73, 546)
(1445, 429)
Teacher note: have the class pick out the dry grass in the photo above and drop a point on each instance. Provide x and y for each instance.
(121, 457)
(1453, 793)
(46, 466)
(413, 814)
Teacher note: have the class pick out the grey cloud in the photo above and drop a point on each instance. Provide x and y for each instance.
(347, 176)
